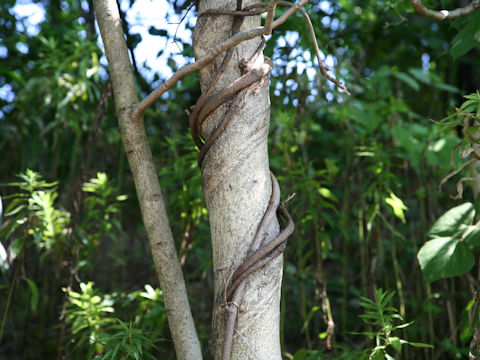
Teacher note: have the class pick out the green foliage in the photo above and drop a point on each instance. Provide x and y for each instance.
(468, 35)
(397, 205)
(183, 196)
(449, 253)
(33, 209)
(355, 163)
(87, 316)
(444, 257)
(382, 316)
(472, 106)
(34, 222)
(49, 227)
(100, 332)
(128, 342)
(101, 217)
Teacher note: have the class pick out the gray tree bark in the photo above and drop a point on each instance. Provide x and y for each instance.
(148, 190)
(237, 187)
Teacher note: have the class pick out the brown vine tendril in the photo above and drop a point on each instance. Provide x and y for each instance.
(261, 251)
(270, 8)
(323, 69)
(264, 255)
(259, 255)
(444, 14)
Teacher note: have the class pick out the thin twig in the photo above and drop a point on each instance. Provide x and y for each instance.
(178, 25)
(444, 14)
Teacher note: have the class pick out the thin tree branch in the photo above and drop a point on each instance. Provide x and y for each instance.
(444, 14)
(204, 61)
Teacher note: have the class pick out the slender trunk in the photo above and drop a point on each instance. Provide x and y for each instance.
(237, 186)
(148, 190)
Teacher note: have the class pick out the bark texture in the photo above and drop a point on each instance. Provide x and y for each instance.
(237, 187)
(148, 190)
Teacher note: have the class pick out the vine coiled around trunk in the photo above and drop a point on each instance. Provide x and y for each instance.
(260, 252)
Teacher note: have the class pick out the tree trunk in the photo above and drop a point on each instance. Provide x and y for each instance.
(237, 187)
(148, 190)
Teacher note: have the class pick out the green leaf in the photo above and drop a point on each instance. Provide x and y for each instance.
(447, 87)
(420, 345)
(16, 248)
(469, 105)
(378, 353)
(407, 79)
(323, 335)
(396, 343)
(327, 193)
(309, 317)
(449, 223)
(473, 96)
(397, 205)
(300, 354)
(402, 326)
(472, 235)
(4, 264)
(444, 257)
(466, 38)
(34, 290)
(420, 75)
(472, 105)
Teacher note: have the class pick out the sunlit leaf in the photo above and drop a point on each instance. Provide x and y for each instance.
(397, 205)
(472, 235)
(449, 223)
(396, 343)
(444, 257)
(327, 193)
